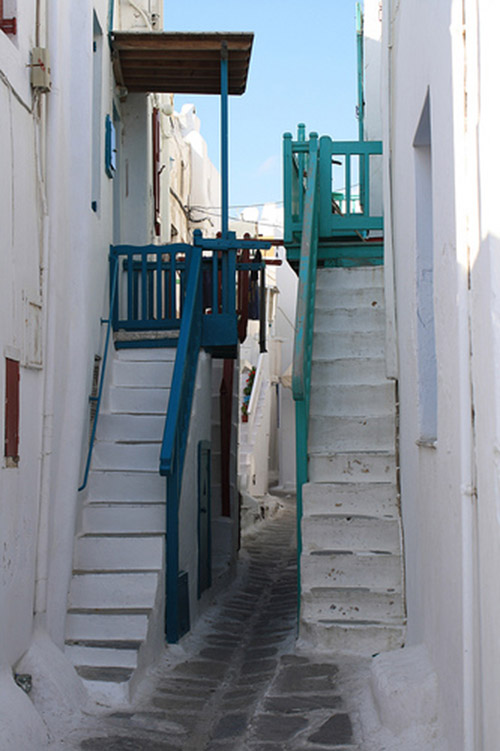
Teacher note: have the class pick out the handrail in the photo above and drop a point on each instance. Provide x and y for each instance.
(113, 287)
(187, 352)
(302, 355)
(307, 280)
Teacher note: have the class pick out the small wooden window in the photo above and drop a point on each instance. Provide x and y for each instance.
(11, 409)
(7, 25)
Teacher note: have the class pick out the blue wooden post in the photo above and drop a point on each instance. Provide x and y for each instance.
(224, 137)
(287, 186)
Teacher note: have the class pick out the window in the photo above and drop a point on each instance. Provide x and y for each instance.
(426, 341)
(157, 169)
(8, 22)
(11, 450)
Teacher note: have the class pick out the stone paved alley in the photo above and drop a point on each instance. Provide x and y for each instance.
(243, 686)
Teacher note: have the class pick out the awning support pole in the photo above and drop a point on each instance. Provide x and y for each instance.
(224, 130)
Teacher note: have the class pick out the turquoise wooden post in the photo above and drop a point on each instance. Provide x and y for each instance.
(287, 186)
(224, 137)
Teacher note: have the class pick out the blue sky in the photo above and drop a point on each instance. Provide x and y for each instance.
(303, 69)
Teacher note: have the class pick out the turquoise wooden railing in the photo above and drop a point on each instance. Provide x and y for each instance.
(176, 430)
(349, 232)
(302, 355)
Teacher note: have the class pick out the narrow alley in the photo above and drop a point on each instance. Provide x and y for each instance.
(242, 687)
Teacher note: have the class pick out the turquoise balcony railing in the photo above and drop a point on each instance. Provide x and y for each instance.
(349, 232)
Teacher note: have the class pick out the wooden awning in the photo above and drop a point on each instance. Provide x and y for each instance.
(180, 62)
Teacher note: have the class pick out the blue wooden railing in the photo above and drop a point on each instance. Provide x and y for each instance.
(176, 430)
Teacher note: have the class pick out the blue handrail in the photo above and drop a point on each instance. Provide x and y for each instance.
(113, 288)
(302, 355)
(176, 430)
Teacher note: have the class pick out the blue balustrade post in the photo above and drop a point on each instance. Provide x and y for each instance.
(224, 137)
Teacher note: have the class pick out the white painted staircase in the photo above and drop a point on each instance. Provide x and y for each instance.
(351, 564)
(115, 619)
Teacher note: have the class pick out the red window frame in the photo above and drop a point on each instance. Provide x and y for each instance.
(7, 25)
(12, 378)
(156, 170)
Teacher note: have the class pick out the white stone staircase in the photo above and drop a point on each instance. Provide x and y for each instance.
(352, 597)
(115, 621)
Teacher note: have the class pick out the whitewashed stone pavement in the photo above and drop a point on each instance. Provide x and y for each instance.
(244, 689)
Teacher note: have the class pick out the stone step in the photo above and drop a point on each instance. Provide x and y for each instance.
(119, 552)
(124, 625)
(349, 370)
(111, 591)
(361, 466)
(353, 533)
(100, 656)
(367, 400)
(349, 320)
(130, 427)
(145, 354)
(151, 373)
(127, 487)
(354, 297)
(107, 686)
(364, 639)
(350, 278)
(344, 568)
(351, 434)
(136, 400)
(139, 519)
(144, 457)
(330, 345)
(366, 499)
(352, 604)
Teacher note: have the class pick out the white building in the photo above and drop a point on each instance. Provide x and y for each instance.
(85, 164)
(437, 107)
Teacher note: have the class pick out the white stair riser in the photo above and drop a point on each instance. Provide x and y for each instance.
(352, 467)
(139, 400)
(146, 354)
(127, 487)
(368, 499)
(349, 370)
(350, 533)
(353, 400)
(351, 570)
(121, 427)
(105, 626)
(112, 591)
(328, 344)
(350, 279)
(118, 553)
(352, 639)
(352, 605)
(354, 434)
(355, 298)
(100, 656)
(143, 457)
(122, 518)
(147, 374)
(349, 320)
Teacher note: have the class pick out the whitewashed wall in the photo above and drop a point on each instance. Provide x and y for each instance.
(449, 486)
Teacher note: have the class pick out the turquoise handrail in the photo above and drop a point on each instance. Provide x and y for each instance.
(176, 430)
(113, 288)
(302, 355)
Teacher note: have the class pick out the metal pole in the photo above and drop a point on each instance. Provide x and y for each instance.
(224, 137)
